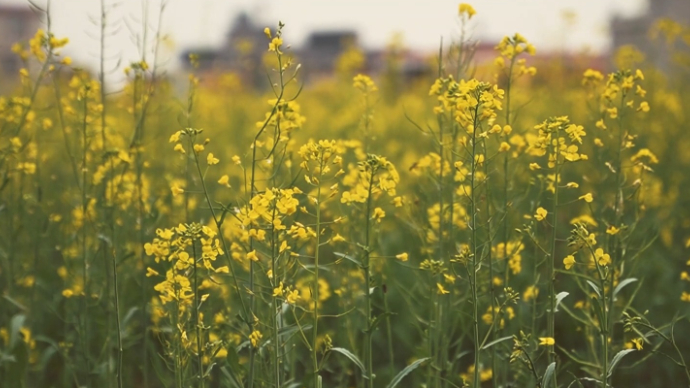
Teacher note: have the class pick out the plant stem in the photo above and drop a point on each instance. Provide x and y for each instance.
(314, 349)
(473, 218)
(367, 280)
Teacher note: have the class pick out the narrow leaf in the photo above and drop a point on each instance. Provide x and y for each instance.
(622, 284)
(594, 287)
(617, 358)
(559, 299)
(348, 257)
(548, 375)
(351, 356)
(405, 372)
(15, 330)
(494, 342)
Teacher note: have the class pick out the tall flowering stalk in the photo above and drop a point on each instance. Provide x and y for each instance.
(510, 68)
(321, 162)
(375, 176)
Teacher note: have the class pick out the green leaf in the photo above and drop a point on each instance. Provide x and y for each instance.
(396, 380)
(291, 329)
(594, 287)
(622, 284)
(494, 342)
(128, 317)
(351, 356)
(348, 257)
(548, 375)
(617, 358)
(15, 325)
(208, 370)
(14, 302)
(559, 299)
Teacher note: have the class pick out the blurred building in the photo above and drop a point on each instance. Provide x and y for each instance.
(246, 44)
(17, 24)
(241, 52)
(635, 31)
(320, 54)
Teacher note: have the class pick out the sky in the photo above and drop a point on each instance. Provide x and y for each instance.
(205, 23)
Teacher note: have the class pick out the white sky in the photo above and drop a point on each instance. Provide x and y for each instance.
(204, 23)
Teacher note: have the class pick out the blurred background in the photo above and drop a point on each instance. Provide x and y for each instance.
(227, 35)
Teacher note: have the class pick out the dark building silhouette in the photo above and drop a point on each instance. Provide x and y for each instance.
(17, 25)
(322, 50)
(242, 52)
(635, 31)
(246, 44)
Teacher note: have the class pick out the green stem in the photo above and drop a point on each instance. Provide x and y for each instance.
(475, 250)
(315, 361)
(197, 314)
(367, 280)
(551, 316)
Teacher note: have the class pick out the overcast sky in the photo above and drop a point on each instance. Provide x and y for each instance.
(204, 23)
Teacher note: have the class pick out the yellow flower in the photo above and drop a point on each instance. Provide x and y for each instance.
(255, 337)
(639, 75)
(569, 261)
(278, 291)
(223, 269)
(151, 272)
(587, 197)
(267, 32)
(638, 343)
(441, 290)
(293, 297)
(198, 148)
(613, 112)
(176, 190)
(364, 83)
(534, 166)
(252, 256)
(504, 147)
(602, 258)
(67, 293)
(547, 341)
(275, 44)
(179, 148)
(530, 293)
(644, 107)
(572, 185)
(224, 180)
(378, 214)
(211, 160)
(398, 201)
(402, 256)
(541, 214)
(466, 9)
(612, 230)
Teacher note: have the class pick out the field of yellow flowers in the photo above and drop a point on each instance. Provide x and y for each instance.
(501, 226)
